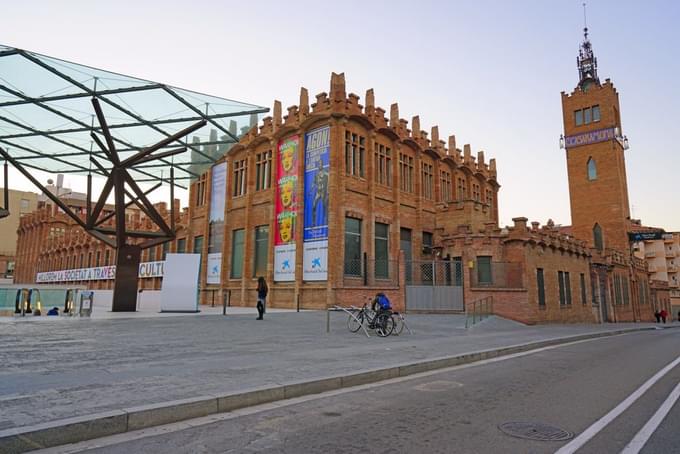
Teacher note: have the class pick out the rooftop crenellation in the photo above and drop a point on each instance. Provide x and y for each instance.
(338, 102)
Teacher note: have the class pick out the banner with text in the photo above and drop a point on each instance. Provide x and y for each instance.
(286, 209)
(146, 270)
(317, 164)
(218, 193)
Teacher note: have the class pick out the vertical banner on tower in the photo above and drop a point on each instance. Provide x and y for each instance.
(218, 192)
(317, 163)
(286, 209)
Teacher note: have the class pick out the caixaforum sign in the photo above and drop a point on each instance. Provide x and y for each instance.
(146, 270)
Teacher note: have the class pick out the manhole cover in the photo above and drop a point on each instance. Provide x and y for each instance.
(535, 431)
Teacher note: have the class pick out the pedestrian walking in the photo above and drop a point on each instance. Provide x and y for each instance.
(657, 314)
(664, 314)
(262, 290)
(679, 316)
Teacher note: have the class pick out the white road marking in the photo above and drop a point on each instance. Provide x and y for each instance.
(641, 438)
(601, 423)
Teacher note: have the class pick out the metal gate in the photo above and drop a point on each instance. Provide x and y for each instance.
(434, 286)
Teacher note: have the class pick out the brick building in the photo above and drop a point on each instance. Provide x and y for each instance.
(376, 188)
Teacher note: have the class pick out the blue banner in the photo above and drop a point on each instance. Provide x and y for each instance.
(317, 153)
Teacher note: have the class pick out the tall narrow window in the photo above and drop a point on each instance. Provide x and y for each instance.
(597, 237)
(239, 178)
(592, 169)
(383, 164)
(237, 237)
(446, 187)
(567, 287)
(352, 247)
(200, 189)
(484, 270)
(587, 115)
(583, 289)
(97, 258)
(355, 151)
(427, 180)
(381, 250)
(560, 283)
(406, 172)
(261, 250)
(460, 189)
(427, 243)
(263, 172)
(107, 257)
(198, 249)
(596, 113)
(578, 117)
(181, 245)
(540, 283)
(405, 245)
(165, 249)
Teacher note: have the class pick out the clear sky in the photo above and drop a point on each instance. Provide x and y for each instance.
(490, 72)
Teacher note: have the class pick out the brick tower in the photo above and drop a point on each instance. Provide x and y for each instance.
(596, 164)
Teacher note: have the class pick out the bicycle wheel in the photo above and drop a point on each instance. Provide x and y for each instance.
(398, 324)
(354, 324)
(384, 325)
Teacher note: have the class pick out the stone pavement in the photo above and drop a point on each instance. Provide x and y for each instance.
(60, 367)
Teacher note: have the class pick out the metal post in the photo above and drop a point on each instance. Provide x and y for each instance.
(297, 301)
(328, 321)
(365, 268)
(212, 304)
(434, 273)
(225, 300)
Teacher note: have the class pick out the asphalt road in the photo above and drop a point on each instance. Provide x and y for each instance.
(456, 410)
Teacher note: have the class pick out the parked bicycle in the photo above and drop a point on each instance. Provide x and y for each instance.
(381, 321)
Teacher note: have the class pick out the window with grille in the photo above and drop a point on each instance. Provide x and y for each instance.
(263, 170)
(239, 178)
(352, 247)
(489, 198)
(381, 250)
(355, 153)
(406, 172)
(181, 245)
(383, 164)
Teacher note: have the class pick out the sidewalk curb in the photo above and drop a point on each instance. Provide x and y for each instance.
(87, 427)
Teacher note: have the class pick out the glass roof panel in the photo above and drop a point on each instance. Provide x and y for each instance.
(47, 116)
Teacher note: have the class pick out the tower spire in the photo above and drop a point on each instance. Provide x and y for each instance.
(586, 61)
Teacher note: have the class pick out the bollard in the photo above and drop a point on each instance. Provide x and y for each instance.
(38, 302)
(226, 299)
(297, 298)
(328, 321)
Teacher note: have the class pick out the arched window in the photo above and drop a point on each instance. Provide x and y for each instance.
(597, 237)
(592, 169)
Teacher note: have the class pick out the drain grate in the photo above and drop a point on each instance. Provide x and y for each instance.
(535, 431)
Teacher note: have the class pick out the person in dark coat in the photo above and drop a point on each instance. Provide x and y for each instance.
(262, 291)
(657, 314)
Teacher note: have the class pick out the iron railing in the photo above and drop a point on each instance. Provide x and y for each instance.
(365, 272)
(434, 272)
(478, 310)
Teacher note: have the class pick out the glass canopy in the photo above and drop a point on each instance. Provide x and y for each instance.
(46, 117)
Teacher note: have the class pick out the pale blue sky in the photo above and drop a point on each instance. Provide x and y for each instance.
(490, 72)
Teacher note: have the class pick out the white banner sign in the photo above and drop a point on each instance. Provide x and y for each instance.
(146, 270)
(180, 290)
(214, 268)
(284, 262)
(315, 257)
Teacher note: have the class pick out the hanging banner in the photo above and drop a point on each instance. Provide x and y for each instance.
(218, 192)
(317, 164)
(286, 209)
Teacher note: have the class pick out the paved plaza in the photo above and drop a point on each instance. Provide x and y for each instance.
(61, 367)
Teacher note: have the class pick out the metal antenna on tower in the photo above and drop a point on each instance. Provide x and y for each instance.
(585, 21)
